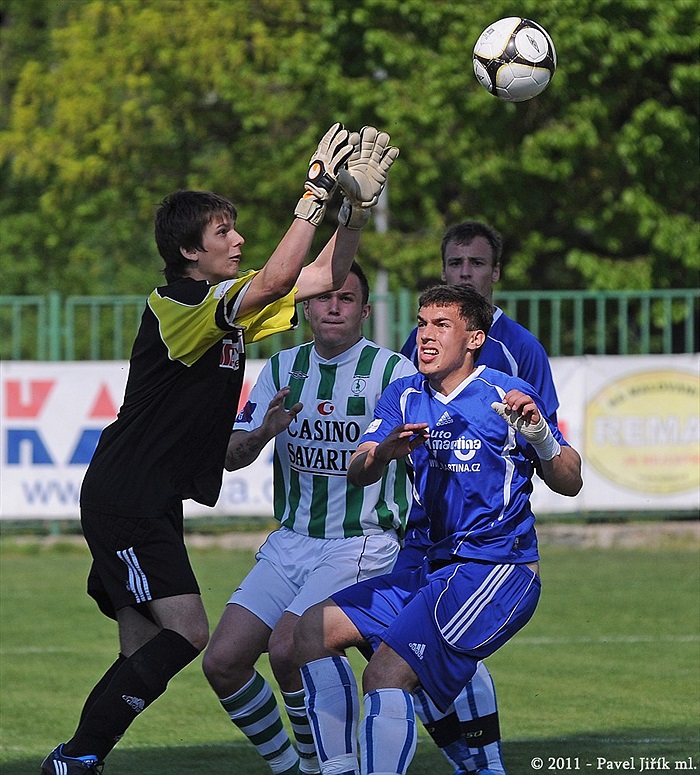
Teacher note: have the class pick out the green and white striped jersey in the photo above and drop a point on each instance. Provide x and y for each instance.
(311, 493)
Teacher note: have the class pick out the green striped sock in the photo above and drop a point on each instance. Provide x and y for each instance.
(294, 705)
(254, 711)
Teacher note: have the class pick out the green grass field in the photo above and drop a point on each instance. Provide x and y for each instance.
(606, 675)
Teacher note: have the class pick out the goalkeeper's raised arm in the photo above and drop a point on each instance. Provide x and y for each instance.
(361, 183)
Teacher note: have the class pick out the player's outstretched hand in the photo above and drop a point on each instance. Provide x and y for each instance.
(365, 177)
(370, 459)
(402, 440)
(322, 177)
(277, 418)
(522, 414)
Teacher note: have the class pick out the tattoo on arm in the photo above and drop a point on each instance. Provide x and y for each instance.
(243, 449)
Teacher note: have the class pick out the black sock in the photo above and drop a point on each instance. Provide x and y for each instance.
(137, 682)
(100, 686)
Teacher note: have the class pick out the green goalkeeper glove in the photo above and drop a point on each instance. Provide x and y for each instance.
(322, 178)
(365, 177)
(539, 434)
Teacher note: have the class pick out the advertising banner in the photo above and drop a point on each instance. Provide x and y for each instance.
(634, 419)
(636, 422)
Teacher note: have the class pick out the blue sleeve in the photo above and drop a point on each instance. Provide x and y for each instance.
(536, 369)
(409, 349)
(510, 344)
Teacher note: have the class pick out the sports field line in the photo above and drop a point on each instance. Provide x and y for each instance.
(601, 640)
(38, 650)
(245, 744)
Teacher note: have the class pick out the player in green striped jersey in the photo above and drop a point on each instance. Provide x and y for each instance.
(315, 400)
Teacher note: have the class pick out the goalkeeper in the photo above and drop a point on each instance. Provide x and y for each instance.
(169, 441)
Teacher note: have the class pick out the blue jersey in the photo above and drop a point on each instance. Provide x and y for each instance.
(512, 349)
(473, 477)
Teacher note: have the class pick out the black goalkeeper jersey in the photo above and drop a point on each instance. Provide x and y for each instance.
(185, 378)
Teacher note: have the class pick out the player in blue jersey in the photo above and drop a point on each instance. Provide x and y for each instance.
(471, 255)
(169, 442)
(472, 437)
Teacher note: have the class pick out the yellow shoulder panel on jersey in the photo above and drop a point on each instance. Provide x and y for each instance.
(275, 317)
(189, 330)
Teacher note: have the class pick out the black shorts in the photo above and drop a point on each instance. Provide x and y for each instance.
(136, 560)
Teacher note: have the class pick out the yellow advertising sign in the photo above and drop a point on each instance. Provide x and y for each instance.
(643, 432)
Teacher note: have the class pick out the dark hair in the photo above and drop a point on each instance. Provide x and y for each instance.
(467, 232)
(356, 269)
(474, 309)
(180, 222)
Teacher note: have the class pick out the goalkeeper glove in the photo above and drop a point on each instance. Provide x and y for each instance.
(539, 434)
(365, 177)
(332, 153)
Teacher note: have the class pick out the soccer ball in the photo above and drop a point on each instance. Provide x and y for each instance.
(514, 59)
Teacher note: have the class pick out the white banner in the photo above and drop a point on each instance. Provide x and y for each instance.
(634, 419)
(636, 422)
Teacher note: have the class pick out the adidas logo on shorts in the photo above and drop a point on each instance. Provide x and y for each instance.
(418, 649)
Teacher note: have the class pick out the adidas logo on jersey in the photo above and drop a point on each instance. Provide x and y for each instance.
(418, 649)
(444, 420)
(136, 703)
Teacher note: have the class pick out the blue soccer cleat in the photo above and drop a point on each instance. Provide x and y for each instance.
(57, 763)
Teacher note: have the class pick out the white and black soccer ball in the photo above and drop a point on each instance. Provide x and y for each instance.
(514, 59)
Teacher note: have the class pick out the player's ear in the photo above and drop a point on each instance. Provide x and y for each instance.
(477, 339)
(189, 253)
(366, 312)
(496, 273)
(305, 305)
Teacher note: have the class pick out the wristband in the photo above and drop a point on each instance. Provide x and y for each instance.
(538, 435)
(310, 209)
(548, 448)
(353, 217)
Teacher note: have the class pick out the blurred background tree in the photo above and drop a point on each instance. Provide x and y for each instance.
(108, 105)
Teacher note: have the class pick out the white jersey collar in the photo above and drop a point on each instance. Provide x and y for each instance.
(445, 399)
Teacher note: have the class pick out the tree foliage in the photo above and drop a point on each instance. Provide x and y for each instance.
(108, 105)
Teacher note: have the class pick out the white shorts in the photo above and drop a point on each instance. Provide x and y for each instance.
(293, 572)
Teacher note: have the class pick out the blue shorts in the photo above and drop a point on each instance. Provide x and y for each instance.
(412, 554)
(443, 622)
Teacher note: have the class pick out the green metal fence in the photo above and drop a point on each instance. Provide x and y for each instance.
(566, 322)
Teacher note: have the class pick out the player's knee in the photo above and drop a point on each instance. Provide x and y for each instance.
(373, 676)
(209, 666)
(202, 640)
(283, 660)
(198, 636)
(217, 664)
(309, 636)
(282, 653)
(386, 669)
